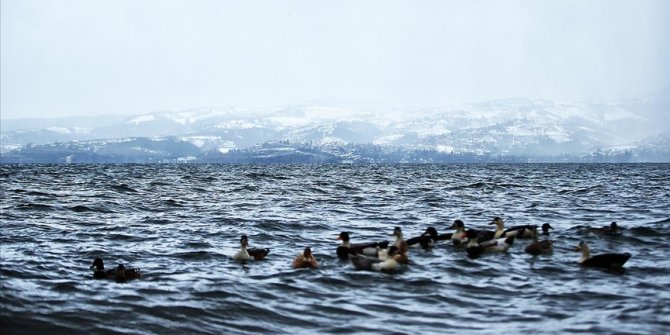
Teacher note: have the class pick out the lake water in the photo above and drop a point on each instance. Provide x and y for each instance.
(182, 223)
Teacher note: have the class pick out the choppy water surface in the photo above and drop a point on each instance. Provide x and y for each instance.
(181, 224)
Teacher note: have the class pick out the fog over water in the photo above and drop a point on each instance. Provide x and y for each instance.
(77, 57)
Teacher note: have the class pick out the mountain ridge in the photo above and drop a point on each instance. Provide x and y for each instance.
(535, 129)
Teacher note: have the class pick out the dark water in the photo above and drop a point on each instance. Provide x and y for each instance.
(182, 223)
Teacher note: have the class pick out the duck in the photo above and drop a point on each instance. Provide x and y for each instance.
(443, 237)
(612, 229)
(458, 236)
(245, 253)
(606, 261)
(425, 240)
(399, 243)
(539, 247)
(486, 235)
(121, 274)
(346, 249)
(545, 228)
(476, 249)
(523, 231)
(305, 260)
(389, 264)
(516, 231)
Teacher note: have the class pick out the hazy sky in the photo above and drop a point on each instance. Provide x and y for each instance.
(71, 57)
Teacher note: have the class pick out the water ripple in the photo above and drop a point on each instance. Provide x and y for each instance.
(182, 223)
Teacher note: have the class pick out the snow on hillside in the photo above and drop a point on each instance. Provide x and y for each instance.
(510, 126)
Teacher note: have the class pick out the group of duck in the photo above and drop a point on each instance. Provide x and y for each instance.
(379, 256)
(390, 257)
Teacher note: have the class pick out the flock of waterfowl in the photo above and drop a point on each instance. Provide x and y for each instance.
(390, 257)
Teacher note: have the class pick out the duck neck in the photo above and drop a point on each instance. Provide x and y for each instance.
(346, 244)
(398, 240)
(586, 254)
(500, 229)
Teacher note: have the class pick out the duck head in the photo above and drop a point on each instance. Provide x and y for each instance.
(498, 221)
(431, 231)
(545, 228)
(614, 227)
(244, 241)
(344, 236)
(397, 232)
(307, 253)
(458, 224)
(98, 265)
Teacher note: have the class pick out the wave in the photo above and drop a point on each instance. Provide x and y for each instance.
(123, 188)
(181, 224)
(34, 207)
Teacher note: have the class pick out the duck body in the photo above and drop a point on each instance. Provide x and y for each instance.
(476, 249)
(258, 253)
(524, 231)
(120, 274)
(612, 229)
(605, 261)
(425, 240)
(390, 264)
(610, 260)
(305, 260)
(245, 253)
(347, 248)
(484, 235)
(458, 237)
(515, 231)
(539, 247)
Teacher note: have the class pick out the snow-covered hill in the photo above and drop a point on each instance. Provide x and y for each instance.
(512, 127)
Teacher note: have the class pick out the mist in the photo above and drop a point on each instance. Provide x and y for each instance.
(66, 58)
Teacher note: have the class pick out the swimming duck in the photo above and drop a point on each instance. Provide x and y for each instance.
(346, 249)
(399, 243)
(425, 240)
(476, 249)
(390, 264)
(539, 247)
(500, 228)
(545, 228)
(458, 236)
(607, 261)
(120, 274)
(305, 260)
(516, 231)
(612, 229)
(523, 231)
(246, 253)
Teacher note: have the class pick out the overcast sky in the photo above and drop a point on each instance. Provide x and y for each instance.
(72, 57)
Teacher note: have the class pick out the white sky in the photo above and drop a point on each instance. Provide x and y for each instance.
(83, 57)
